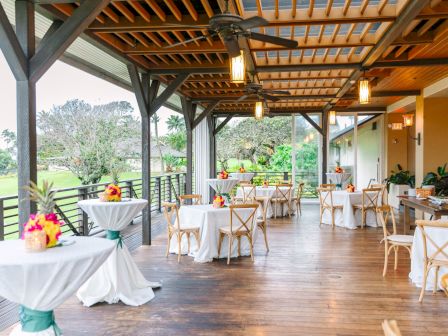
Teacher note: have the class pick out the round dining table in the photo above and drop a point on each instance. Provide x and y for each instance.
(339, 179)
(41, 281)
(348, 218)
(242, 176)
(209, 220)
(119, 278)
(223, 186)
(267, 193)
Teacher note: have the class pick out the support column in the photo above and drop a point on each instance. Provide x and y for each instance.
(26, 112)
(189, 111)
(211, 121)
(324, 145)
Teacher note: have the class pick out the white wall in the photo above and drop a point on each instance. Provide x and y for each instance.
(369, 153)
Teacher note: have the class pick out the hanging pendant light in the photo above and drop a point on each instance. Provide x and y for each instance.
(332, 118)
(408, 120)
(259, 110)
(364, 91)
(238, 69)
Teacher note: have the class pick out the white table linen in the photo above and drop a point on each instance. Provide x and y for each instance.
(348, 218)
(269, 192)
(439, 236)
(339, 178)
(119, 277)
(242, 176)
(44, 280)
(223, 185)
(209, 220)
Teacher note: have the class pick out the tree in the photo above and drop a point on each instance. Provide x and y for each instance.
(86, 139)
(176, 123)
(155, 120)
(6, 162)
(177, 140)
(10, 138)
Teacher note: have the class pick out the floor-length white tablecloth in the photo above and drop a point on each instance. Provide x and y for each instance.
(439, 236)
(209, 220)
(242, 176)
(347, 218)
(44, 280)
(268, 193)
(339, 179)
(223, 185)
(119, 278)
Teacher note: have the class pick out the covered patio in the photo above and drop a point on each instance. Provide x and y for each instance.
(368, 78)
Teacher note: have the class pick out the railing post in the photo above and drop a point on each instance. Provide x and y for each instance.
(185, 183)
(178, 184)
(285, 176)
(159, 193)
(83, 218)
(2, 221)
(129, 187)
(168, 186)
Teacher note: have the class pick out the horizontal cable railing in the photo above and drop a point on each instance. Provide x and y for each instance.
(163, 188)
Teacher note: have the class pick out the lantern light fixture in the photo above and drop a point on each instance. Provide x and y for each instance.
(364, 91)
(408, 120)
(238, 69)
(332, 118)
(259, 110)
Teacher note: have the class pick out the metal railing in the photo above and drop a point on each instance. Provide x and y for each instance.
(163, 188)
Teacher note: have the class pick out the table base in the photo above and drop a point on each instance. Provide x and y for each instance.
(17, 331)
(117, 279)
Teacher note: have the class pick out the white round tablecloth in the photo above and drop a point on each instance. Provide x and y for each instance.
(269, 192)
(44, 280)
(348, 218)
(242, 176)
(339, 178)
(223, 186)
(440, 237)
(210, 220)
(119, 277)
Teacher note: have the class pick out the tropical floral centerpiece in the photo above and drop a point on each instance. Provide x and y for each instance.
(218, 201)
(112, 193)
(265, 183)
(42, 229)
(223, 175)
(242, 169)
(350, 188)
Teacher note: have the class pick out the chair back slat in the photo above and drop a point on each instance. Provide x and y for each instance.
(171, 210)
(383, 213)
(325, 196)
(299, 191)
(383, 194)
(195, 199)
(433, 250)
(370, 197)
(283, 191)
(237, 223)
(249, 193)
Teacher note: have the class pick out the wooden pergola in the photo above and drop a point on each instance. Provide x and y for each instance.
(399, 45)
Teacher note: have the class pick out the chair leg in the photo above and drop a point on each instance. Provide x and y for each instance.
(179, 246)
(239, 246)
(251, 247)
(299, 206)
(168, 245)
(332, 218)
(425, 276)
(275, 209)
(188, 239)
(386, 258)
(221, 237)
(396, 257)
(265, 232)
(230, 249)
(436, 278)
(198, 238)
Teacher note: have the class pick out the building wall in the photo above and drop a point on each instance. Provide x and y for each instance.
(398, 146)
(369, 152)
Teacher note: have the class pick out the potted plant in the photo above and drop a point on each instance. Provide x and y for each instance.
(439, 180)
(399, 183)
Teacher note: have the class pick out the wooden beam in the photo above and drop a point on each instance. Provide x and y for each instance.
(10, 46)
(222, 124)
(208, 111)
(55, 46)
(168, 92)
(142, 101)
(189, 110)
(312, 123)
(55, 25)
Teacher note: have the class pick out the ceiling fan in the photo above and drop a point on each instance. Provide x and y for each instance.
(229, 27)
(256, 90)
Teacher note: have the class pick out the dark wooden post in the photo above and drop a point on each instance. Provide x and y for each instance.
(211, 122)
(324, 145)
(189, 111)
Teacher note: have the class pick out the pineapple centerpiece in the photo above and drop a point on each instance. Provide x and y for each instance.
(42, 229)
(223, 175)
(112, 193)
(242, 169)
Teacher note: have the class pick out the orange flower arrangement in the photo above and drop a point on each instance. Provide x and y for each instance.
(218, 201)
(242, 170)
(339, 170)
(350, 188)
(223, 175)
(111, 194)
(265, 183)
(48, 223)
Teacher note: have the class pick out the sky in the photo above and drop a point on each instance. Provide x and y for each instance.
(61, 83)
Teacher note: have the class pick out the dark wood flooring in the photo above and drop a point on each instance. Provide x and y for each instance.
(314, 281)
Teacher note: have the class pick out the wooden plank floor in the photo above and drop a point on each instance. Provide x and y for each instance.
(315, 281)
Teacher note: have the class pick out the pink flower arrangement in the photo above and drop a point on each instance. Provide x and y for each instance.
(48, 223)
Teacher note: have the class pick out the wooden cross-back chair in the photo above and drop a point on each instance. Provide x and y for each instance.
(383, 194)
(390, 328)
(171, 210)
(392, 240)
(370, 197)
(326, 203)
(435, 258)
(196, 199)
(298, 198)
(238, 228)
(283, 195)
(262, 223)
(249, 193)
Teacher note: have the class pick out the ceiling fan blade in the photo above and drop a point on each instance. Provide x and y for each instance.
(232, 46)
(187, 41)
(253, 22)
(244, 97)
(274, 40)
(269, 97)
(277, 92)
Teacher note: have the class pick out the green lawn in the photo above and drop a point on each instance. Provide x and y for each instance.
(61, 179)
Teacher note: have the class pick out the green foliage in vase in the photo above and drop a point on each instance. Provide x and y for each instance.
(439, 180)
(401, 177)
(44, 196)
